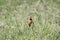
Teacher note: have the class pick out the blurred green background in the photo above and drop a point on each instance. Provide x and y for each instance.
(14, 15)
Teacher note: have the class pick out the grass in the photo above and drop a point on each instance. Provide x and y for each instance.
(45, 15)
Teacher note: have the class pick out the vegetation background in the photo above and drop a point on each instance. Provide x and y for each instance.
(45, 15)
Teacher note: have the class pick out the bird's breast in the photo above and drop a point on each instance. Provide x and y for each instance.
(29, 21)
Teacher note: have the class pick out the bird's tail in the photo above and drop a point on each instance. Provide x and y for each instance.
(29, 25)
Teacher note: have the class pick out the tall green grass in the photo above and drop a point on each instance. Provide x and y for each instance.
(14, 15)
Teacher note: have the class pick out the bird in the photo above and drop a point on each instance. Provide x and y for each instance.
(30, 21)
